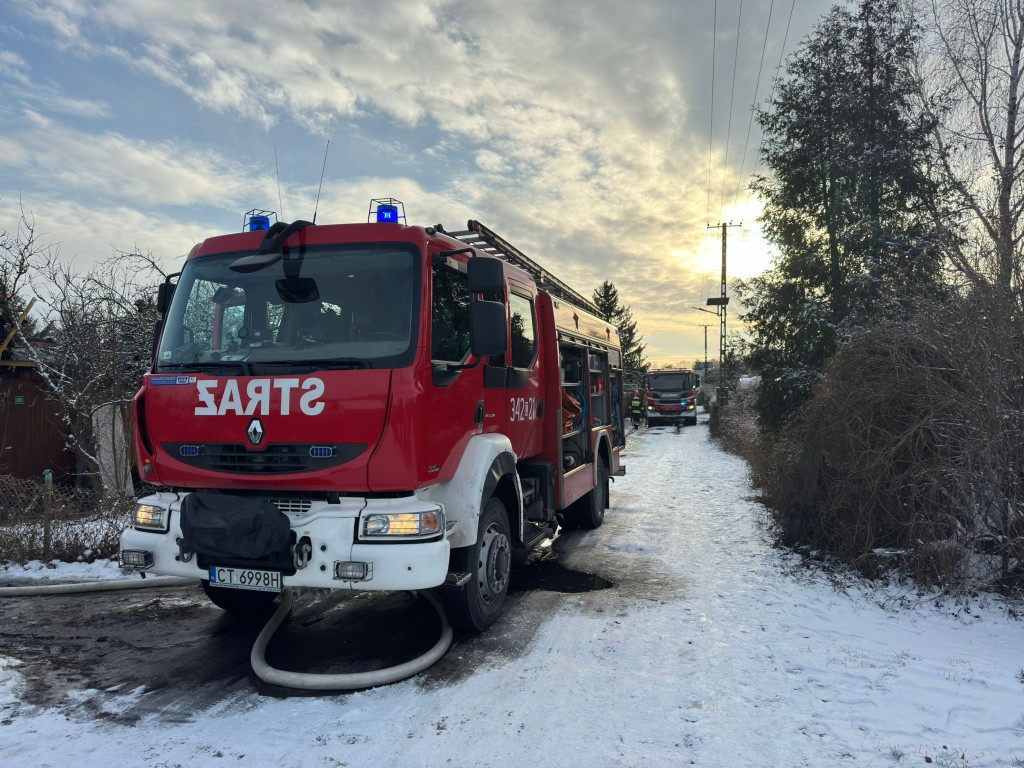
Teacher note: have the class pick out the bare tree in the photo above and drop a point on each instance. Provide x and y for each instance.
(973, 66)
(99, 341)
(19, 250)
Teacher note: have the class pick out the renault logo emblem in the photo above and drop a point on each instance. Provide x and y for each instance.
(255, 432)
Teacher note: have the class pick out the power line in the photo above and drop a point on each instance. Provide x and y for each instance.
(775, 84)
(728, 131)
(753, 106)
(711, 113)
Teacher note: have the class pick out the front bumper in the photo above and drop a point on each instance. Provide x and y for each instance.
(672, 412)
(331, 533)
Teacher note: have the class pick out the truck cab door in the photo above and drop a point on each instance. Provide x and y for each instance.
(524, 406)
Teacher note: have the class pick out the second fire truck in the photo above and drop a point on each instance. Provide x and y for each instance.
(671, 396)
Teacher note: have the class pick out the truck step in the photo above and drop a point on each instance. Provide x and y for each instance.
(530, 486)
(535, 534)
(535, 511)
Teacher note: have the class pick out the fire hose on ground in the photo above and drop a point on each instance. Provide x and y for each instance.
(268, 674)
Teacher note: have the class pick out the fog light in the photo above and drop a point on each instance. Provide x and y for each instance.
(135, 559)
(403, 524)
(151, 517)
(350, 571)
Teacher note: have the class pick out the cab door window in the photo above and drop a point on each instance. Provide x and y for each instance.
(523, 333)
(449, 315)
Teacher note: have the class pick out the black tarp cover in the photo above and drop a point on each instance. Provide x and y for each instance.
(219, 525)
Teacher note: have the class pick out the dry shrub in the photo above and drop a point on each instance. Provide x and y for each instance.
(910, 449)
(84, 524)
(771, 458)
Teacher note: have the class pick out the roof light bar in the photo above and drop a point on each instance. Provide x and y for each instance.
(386, 210)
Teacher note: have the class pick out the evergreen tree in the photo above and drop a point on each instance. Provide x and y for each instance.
(634, 366)
(844, 198)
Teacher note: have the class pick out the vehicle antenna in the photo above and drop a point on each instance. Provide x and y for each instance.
(317, 205)
(277, 173)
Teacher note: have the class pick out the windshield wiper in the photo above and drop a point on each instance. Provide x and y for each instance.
(328, 363)
(196, 365)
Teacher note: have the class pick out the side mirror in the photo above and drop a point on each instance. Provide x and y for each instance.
(297, 290)
(488, 329)
(164, 295)
(485, 274)
(697, 385)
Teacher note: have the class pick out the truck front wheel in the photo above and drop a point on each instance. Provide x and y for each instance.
(478, 604)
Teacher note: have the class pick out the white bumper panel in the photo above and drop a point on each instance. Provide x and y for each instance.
(462, 496)
(395, 565)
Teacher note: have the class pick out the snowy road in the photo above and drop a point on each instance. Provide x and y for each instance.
(712, 649)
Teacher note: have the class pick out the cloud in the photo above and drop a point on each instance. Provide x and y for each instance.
(20, 87)
(109, 167)
(578, 134)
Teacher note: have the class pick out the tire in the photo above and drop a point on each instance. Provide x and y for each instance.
(242, 604)
(478, 604)
(593, 505)
(693, 422)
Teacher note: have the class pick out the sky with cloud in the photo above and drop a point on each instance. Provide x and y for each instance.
(583, 133)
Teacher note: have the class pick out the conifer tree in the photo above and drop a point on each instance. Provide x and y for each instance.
(634, 366)
(844, 197)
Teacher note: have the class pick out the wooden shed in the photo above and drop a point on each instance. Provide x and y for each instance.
(30, 436)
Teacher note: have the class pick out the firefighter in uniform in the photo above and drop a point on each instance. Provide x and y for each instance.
(636, 409)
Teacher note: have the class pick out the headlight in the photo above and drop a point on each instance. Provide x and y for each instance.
(402, 524)
(151, 518)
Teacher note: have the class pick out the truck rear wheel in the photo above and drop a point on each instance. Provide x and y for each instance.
(591, 511)
(242, 604)
(478, 604)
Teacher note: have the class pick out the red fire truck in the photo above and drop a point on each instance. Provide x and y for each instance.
(671, 396)
(369, 407)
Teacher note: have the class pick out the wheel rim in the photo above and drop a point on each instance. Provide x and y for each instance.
(493, 566)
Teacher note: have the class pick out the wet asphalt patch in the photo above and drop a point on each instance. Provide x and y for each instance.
(172, 654)
(548, 574)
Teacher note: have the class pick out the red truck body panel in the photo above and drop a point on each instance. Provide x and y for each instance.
(399, 430)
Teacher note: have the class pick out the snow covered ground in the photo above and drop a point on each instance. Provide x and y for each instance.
(712, 650)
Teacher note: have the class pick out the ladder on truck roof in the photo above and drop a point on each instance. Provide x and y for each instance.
(480, 237)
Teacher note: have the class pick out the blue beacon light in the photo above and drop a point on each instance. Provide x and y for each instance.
(387, 214)
(257, 223)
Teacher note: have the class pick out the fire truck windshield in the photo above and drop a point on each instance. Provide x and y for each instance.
(337, 306)
(671, 381)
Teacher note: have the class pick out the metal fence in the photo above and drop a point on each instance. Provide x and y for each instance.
(40, 520)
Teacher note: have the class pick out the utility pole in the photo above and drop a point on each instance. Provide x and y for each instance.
(722, 302)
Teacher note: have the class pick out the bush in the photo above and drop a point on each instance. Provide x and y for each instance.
(84, 524)
(910, 445)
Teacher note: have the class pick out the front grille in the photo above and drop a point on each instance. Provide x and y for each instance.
(292, 506)
(667, 397)
(277, 458)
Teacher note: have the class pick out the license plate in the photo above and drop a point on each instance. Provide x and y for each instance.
(245, 578)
